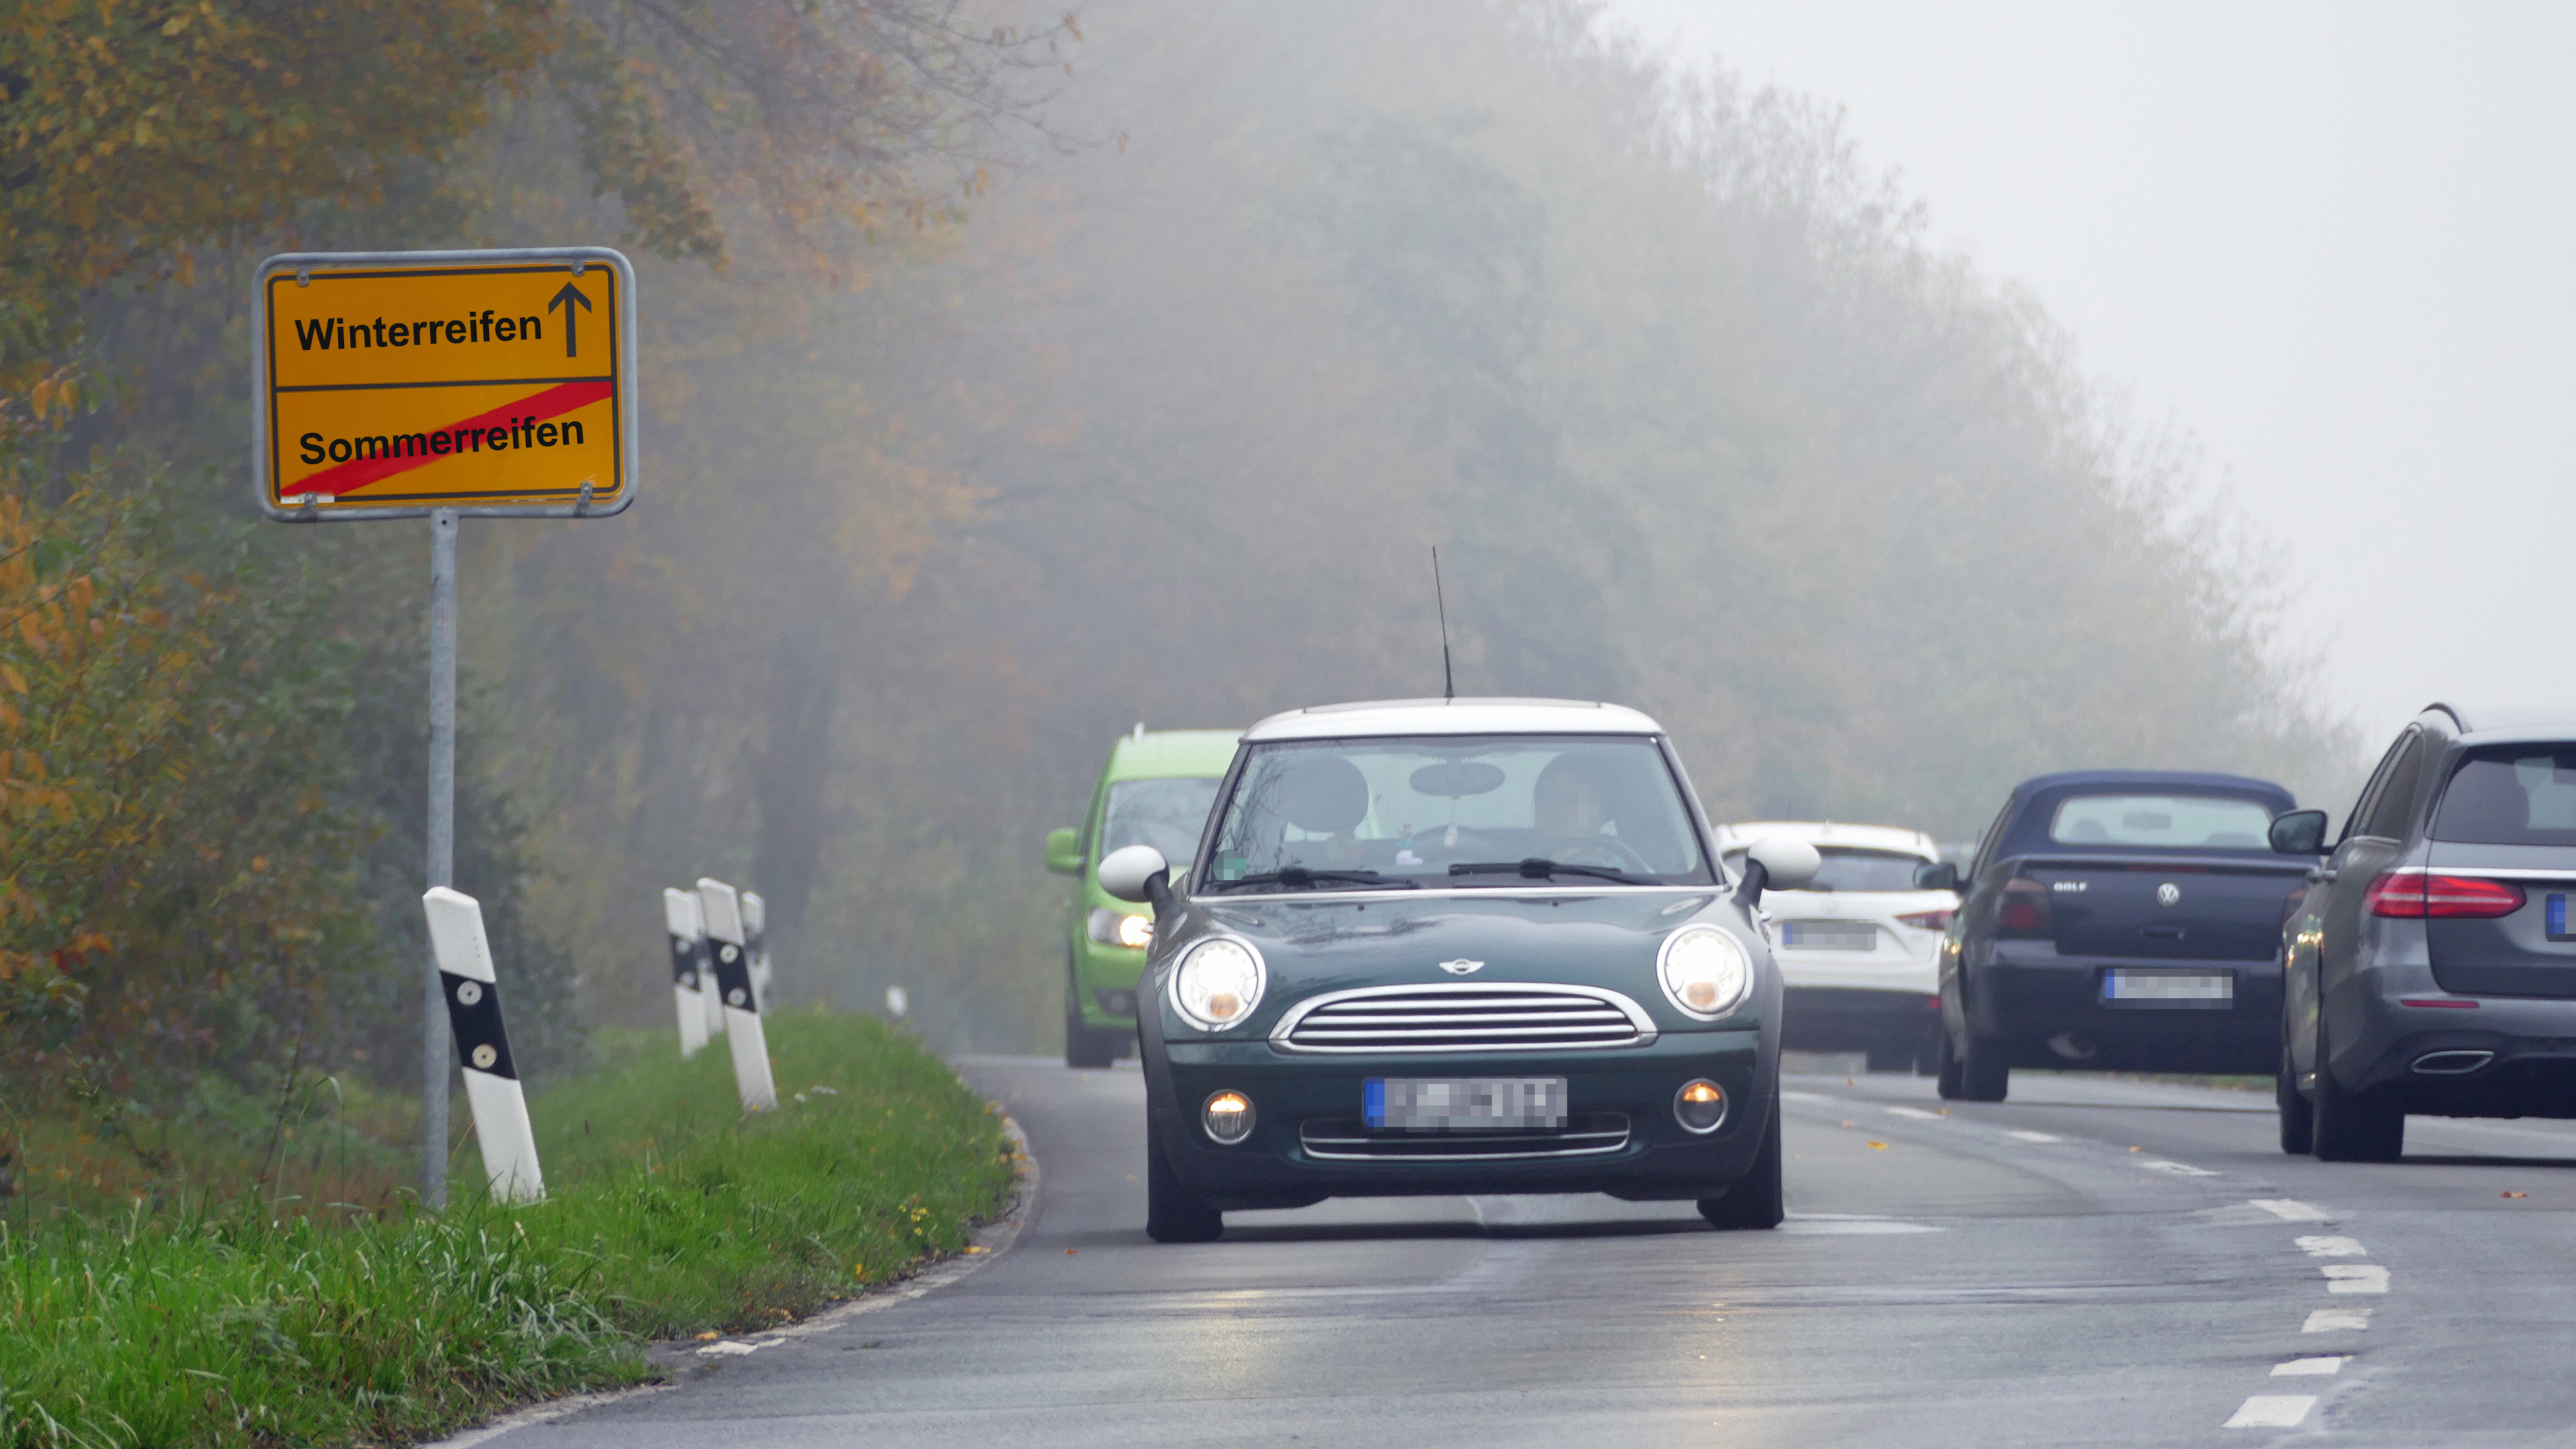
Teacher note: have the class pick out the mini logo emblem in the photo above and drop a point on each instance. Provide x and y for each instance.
(1461, 966)
(2168, 894)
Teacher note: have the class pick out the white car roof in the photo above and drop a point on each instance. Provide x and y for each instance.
(1453, 717)
(1829, 832)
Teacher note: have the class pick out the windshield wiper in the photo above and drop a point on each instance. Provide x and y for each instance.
(1298, 877)
(1540, 868)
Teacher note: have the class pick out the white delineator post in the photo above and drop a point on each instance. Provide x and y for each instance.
(474, 1014)
(689, 976)
(755, 940)
(749, 1043)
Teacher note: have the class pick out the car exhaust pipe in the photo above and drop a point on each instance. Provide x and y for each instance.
(2451, 1064)
(2073, 1046)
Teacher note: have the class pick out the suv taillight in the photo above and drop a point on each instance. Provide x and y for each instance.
(2022, 910)
(2416, 894)
(1927, 920)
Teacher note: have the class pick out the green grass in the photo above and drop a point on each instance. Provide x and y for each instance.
(250, 1323)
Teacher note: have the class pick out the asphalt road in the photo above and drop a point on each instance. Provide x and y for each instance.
(2091, 1262)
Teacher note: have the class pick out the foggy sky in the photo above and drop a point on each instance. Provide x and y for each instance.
(2329, 239)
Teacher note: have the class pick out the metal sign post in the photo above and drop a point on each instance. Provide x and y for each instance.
(434, 1045)
(444, 385)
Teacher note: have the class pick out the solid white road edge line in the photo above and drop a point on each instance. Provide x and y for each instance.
(2272, 1411)
(2327, 1320)
(2316, 1247)
(995, 1238)
(2355, 1278)
(2291, 1210)
(2323, 1364)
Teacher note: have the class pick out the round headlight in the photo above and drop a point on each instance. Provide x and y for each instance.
(1117, 928)
(1218, 983)
(1704, 971)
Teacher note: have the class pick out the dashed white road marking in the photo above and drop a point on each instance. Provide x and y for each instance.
(2179, 1169)
(734, 1348)
(2322, 1364)
(1916, 1113)
(2291, 1210)
(1789, 1096)
(2272, 1411)
(2033, 1137)
(2327, 1320)
(2317, 1247)
(2355, 1278)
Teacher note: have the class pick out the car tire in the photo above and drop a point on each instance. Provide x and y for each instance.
(2354, 1126)
(1085, 1047)
(1756, 1201)
(1171, 1214)
(1977, 1075)
(1946, 1077)
(2298, 1114)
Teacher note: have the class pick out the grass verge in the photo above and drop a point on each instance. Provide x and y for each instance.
(246, 1323)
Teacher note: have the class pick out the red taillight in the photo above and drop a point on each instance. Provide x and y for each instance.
(2023, 908)
(1927, 920)
(2417, 894)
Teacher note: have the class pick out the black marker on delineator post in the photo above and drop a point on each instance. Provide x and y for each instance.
(501, 1127)
(743, 1034)
(689, 967)
(755, 941)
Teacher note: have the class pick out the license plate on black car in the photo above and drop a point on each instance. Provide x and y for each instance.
(2171, 990)
(1463, 1104)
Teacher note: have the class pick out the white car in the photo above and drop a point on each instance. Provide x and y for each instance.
(1858, 948)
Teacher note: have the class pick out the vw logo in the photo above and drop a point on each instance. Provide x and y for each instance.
(2168, 894)
(1462, 966)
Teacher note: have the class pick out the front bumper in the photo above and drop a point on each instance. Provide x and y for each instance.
(1104, 979)
(1274, 1167)
(1832, 1019)
(2046, 1010)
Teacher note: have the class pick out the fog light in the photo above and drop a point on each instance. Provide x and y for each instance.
(1227, 1117)
(1700, 1105)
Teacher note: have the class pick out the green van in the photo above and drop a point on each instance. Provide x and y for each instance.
(1155, 791)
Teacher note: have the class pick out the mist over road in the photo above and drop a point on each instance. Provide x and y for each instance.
(2093, 1262)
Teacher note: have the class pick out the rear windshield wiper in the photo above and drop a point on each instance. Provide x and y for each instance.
(1539, 868)
(1298, 877)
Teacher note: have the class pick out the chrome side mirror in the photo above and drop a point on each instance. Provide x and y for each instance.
(1131, 873)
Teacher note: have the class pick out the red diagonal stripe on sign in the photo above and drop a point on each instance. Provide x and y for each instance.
(341, 478)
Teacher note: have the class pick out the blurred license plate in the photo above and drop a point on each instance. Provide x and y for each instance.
(2205, 990)
(1453, 1104)
(2557, 922)
(1829, 936)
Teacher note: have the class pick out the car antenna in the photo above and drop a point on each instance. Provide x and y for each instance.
(1448, 680)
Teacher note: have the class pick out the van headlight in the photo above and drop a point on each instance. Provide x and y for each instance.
(1704, 972)
(1218, 983)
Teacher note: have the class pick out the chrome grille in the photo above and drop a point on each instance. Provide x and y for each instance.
(1464, 1017)
(1348, 1139)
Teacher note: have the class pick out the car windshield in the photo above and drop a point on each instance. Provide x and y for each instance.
(2516, 795)
(2207, 822)
(1457, 810)
(1848, 868)
(1165, 814)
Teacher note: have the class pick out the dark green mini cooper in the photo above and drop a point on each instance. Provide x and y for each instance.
(1457, 946)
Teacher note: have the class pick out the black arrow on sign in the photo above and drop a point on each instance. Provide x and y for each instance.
(564, 299)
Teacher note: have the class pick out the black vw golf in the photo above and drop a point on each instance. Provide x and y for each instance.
(1455, 946)
(2431, 965)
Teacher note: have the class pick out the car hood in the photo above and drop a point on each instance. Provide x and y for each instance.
(1607, 940)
